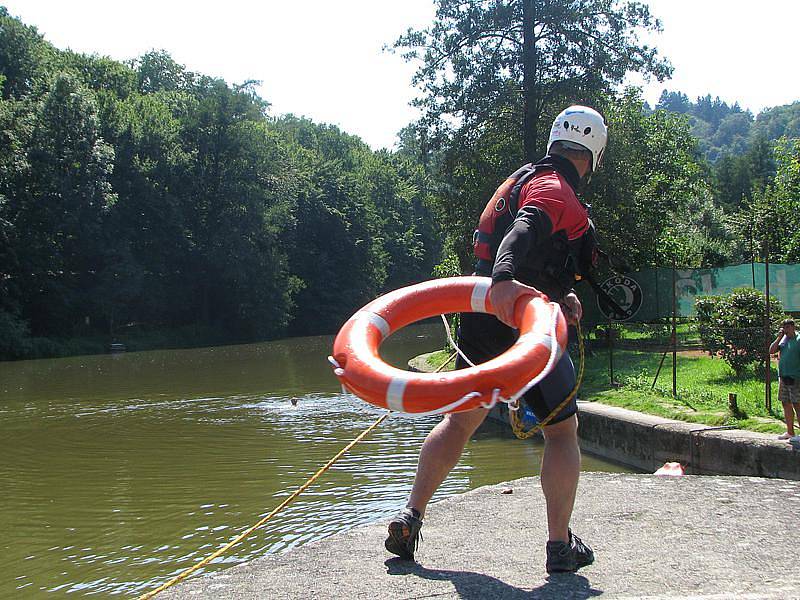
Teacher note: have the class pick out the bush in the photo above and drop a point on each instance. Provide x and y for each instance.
(13, 336)
(732, 326)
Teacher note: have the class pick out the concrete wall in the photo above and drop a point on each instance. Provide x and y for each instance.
(647, 442)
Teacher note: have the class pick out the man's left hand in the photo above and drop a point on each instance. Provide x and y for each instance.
(504, 295)
(573, 311)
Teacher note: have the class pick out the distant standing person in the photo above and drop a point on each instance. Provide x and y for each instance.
(788, 345)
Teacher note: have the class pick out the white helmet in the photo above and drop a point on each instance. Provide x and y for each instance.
(583, 126)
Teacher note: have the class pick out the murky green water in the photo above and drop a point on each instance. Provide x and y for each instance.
(119, 471)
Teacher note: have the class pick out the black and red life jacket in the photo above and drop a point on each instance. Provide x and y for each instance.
(555, 267)
(500, 212)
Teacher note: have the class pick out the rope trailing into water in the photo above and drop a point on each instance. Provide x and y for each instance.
(183, 575)
(516, 425)
(513, 414)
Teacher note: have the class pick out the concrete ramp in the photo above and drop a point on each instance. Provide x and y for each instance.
(654, 537)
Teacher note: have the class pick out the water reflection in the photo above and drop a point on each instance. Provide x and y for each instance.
(120, 471)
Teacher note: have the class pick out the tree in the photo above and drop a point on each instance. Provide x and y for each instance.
(399, 190)
(518, 60)
(15, 132)
(677, 102)
(158, 72)
(60, 209)
(733, 326)
(779, 121)
(143, 280)
(733, 131)
(338, 254)
(732, 181)
(651, 175)
(23, 56)
(773, 211)
(237, 212)
(100, 73)
(723, 130)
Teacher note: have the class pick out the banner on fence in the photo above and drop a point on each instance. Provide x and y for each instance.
(647, 295)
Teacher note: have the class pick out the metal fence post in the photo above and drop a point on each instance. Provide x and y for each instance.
(674, 330)
(767, 361)
(610, 338)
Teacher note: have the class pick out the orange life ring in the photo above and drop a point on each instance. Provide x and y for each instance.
(361, 370)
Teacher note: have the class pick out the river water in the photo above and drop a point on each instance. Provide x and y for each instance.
(120, 471)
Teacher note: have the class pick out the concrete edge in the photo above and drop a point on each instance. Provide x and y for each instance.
(647, 442)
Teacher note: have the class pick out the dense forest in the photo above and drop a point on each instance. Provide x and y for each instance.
(144, 203)
(141, 197)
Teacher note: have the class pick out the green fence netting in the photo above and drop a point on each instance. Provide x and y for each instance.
(646, 296)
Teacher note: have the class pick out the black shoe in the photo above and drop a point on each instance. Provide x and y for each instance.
(404, 535)
(568, 557)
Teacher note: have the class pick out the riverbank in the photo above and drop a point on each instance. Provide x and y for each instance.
(646, 442)
(654, 537)
(708, 392)
(133, 339)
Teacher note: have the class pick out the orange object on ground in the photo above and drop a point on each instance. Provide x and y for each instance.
(362, 372)
(671, 469)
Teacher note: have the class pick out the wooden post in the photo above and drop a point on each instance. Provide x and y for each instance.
(733, 406)
(658, 371)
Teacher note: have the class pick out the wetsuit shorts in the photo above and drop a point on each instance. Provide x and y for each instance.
(483, 337)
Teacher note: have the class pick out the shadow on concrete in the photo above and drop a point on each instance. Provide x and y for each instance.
(476, 586)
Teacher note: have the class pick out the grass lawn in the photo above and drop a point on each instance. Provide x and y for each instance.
(703, 385)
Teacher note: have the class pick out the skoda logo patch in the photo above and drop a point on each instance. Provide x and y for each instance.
(500, 204)
(626, 292)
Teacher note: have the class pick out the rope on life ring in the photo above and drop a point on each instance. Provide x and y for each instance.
(360, 369)
(513, 414)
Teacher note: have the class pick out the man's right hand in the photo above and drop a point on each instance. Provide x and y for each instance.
(504, 295)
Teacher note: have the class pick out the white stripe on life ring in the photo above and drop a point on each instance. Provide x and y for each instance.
(394, 394)
(479, 294)
(377, 320)
(533, 339)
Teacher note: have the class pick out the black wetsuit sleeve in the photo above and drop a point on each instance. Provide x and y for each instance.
(530, 228)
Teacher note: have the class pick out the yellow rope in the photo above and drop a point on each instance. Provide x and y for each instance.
(447, 362)
(513, 415)
(244, 534)
(516, 425)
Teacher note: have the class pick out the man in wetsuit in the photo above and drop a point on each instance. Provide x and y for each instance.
(539, 253)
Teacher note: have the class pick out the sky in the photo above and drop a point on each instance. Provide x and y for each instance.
(325, 60)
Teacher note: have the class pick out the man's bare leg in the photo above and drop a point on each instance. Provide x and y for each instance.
(561, 466)
(440, 453)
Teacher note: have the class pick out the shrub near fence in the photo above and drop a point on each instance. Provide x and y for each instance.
(631, 365)
(737, 326)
